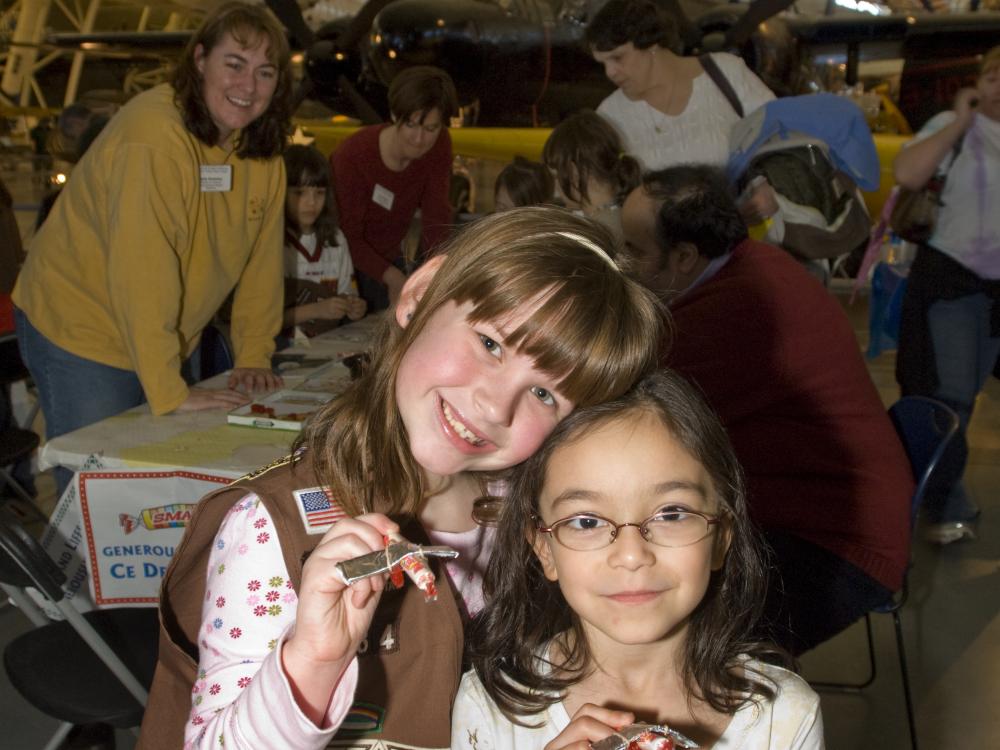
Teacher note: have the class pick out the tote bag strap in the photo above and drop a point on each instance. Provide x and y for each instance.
(720, 80)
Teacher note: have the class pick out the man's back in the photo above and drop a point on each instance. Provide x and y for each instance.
(777, 358)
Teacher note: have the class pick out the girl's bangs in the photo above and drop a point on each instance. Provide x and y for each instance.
(578, 343)
(311, 177)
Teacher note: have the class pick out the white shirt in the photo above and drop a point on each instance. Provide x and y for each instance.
(792, 721)
(333, 268)
(968, 226)
(699, 134)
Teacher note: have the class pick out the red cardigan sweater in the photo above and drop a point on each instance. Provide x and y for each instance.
(776, 357)
(375, 233)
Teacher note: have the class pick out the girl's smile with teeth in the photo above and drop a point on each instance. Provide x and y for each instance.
(468, 401)
(464, 432)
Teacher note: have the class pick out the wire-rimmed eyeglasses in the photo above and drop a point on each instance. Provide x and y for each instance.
(586, 532)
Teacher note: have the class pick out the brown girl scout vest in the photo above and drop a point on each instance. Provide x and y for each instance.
(409, 666)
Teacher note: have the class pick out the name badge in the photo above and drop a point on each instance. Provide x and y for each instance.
(216, 178)
(383, 196)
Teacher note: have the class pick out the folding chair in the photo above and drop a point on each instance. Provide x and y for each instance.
(925, 427)
(92, 667)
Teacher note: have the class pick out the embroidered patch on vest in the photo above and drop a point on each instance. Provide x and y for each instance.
(319, 512)
(363, 718)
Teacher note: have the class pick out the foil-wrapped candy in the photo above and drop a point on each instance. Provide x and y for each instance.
(645, 737)
(399, 556)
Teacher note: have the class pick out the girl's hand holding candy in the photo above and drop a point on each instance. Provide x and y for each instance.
(589, 724)
(332, 618)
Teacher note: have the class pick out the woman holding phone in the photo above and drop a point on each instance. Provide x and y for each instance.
(950, 330)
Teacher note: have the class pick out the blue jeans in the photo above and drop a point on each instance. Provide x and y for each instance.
(74, 392)
(964, 354)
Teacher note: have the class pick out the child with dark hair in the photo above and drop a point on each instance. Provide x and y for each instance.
(523, 183)
(591, 625)
(319, 285)
(593, 171)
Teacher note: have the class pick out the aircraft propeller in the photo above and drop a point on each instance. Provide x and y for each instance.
(330, 56)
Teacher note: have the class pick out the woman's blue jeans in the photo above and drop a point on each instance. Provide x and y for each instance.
(74, 392)
(965, 354)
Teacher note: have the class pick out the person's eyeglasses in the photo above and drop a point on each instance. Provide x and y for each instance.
(586, 532)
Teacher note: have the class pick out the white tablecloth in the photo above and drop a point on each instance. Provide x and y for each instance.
(138, 476)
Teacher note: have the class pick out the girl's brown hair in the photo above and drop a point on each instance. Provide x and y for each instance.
(585, 146)
(305, 166)
(528, 183)
(525, 611)
(595, 334)
(249, 25)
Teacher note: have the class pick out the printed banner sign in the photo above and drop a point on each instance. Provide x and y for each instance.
(133, 522)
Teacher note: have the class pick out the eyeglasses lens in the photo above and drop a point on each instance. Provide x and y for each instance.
(673, 529)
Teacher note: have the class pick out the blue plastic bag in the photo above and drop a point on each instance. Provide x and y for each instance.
(885, 307)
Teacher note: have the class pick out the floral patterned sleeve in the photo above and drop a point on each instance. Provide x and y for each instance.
(241, 698)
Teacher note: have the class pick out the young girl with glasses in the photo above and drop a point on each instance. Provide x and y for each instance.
(624, 583)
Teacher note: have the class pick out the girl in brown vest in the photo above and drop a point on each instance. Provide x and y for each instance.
(524, 317)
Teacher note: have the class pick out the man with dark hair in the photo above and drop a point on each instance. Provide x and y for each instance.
(776, 357)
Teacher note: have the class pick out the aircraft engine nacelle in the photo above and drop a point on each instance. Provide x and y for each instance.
(508, 63)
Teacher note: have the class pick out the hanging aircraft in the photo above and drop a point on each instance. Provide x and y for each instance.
(524, 62)
(522, 65)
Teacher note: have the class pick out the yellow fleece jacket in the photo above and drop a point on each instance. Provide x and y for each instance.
(135, 258)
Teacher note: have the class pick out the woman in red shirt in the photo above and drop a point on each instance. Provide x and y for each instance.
(384, 173)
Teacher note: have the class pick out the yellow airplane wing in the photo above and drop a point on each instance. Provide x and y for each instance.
(503, 144)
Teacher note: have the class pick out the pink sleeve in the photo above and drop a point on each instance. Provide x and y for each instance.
(241, 698)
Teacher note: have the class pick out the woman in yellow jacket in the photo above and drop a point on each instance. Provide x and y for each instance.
(179, 201)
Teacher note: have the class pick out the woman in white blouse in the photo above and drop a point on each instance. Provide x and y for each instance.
(667, 108)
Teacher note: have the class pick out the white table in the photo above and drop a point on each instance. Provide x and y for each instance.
(137, 477)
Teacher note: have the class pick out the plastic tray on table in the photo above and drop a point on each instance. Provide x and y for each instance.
(281, 410)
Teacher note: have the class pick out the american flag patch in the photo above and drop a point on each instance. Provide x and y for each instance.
(318, 511)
